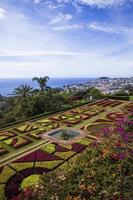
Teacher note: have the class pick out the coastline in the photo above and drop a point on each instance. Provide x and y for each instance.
(8, 85)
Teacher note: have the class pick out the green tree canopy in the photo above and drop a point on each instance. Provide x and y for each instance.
(23, 91)
(42, 82)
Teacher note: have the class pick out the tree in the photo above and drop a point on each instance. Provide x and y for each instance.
(129, 89)
(21, 102)
(95, 93)
(23, 91)
(42, 82)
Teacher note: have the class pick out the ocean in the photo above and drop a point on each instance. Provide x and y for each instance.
(8, 85)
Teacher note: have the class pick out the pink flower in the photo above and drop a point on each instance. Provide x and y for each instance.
(118, 156)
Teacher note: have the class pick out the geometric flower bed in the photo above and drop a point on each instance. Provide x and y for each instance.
(95, 129)
(25, 128)
(115, 116)
(35, 134)
(13, 185)
(129, 107)
(35, 163)
(68, 118)
(2, 150)
(17, 142)
(5, 135)
(102, 121)
(110, 103)
(50, 156)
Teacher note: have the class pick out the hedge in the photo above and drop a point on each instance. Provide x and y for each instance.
(42, 115)
(119, 97)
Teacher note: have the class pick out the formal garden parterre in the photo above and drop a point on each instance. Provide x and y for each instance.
(25, 155)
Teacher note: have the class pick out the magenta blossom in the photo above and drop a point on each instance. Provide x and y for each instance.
(118, 156)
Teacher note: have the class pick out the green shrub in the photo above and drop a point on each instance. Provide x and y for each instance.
(50, 148)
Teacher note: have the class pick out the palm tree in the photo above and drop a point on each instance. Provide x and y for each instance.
(42, 81)
(23, 91)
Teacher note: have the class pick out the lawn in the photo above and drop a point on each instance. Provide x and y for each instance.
(131, 98)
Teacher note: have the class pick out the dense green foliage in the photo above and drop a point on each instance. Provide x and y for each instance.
(25, 102)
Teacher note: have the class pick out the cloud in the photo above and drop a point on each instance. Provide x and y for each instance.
(12, 53)
(102, 3)
(96, 26)
(61, 18)
(30, 46)
(37, 1)
(2, 13)
(108, 28)
(124, 31)
(69, 27)
(53, 5)
(92, 3)
(18, 30)
(68, 66)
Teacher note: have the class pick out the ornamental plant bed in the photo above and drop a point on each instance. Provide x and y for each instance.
(116, 104)
(35, 135)
(44, 122)
(68, 146)
(76, 111)
(95, 129)
(50, 148)
(65, 155)
(55, 125)
(1, 168)
(129, 107)
(21, 128)
(84, 141)
(100, 102)
(20, 166)
(3, 150)
(2, 191)
(49, 164)
(5, 135)
(54, 155)
(72, 122)
(77, 147)
(17, 142)
(13, 185)
(56, 118)
(38, 155)
(6, 173)
(84, 117)
(26, 128)
(30, 181)
(102, 121)
(43, 129)
(89, 114)
(107, 103)
(116, 116)
(64, 148)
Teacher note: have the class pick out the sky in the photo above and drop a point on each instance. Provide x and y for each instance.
(66, 38)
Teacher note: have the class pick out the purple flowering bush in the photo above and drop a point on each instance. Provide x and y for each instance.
(118, 140)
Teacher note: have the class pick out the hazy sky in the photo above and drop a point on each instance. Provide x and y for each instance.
(66, 38)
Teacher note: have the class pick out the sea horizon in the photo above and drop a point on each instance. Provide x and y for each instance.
(7, 85)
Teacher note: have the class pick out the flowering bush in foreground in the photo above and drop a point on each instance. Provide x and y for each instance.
(103, 172)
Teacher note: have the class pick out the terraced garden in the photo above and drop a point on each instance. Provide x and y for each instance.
(25, 154)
